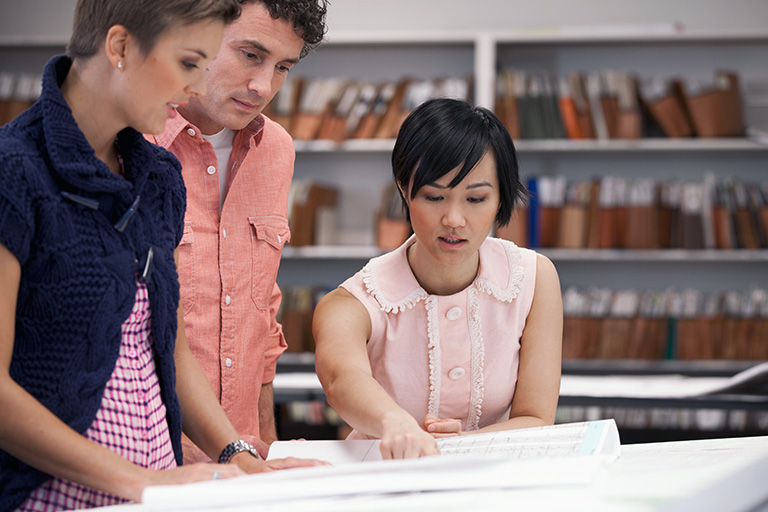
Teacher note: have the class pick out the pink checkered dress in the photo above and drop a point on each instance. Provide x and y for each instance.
(130, 421)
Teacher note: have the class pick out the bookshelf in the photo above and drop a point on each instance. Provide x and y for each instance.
(360, 167)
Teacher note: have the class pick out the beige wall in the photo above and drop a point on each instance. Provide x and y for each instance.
(51, 19)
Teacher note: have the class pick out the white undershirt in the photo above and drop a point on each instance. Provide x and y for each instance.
(222, 146)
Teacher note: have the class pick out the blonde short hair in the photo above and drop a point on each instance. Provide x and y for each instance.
(146, 20)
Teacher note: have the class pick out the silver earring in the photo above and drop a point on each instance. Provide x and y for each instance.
(119, 64)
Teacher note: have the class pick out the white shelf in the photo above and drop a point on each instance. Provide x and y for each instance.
(662, 255)
(347, 146)
(38, 41)
(664, 33)
(658, 33)
(646, 145)
(364, 252)
(331, 252)
(397, 37)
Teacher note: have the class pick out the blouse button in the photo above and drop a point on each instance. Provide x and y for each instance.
(453, 313)
(228, 362)
(456, 373)
(211, 169)
(191, 132)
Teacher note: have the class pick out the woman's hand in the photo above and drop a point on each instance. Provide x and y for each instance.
(242, 464)
(189, 473)
(442, 427)
(404, 439)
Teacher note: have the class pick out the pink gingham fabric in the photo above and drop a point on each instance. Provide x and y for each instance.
(130, 422)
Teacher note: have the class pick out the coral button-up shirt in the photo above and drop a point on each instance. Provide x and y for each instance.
(228, 261)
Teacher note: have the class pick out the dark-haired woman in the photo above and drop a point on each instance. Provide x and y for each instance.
(454, 332)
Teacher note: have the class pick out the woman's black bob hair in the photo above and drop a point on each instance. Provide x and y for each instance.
(442, 134)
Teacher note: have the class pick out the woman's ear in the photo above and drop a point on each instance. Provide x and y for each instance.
(116, 45)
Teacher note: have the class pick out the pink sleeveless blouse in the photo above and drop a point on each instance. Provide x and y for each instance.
(455, 356)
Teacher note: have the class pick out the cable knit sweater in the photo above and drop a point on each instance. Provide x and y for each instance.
(78, 271)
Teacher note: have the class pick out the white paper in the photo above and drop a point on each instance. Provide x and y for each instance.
(565, 440)
(376, 478)
(561, 455)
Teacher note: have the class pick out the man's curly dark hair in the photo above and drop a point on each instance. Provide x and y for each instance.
(307, 16)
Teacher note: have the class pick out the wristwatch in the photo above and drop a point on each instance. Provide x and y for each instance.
(236, 447)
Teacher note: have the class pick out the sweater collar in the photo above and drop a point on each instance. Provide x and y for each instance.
(500, 281)
(72, 158)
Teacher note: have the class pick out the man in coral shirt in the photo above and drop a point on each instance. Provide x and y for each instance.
(237, 166)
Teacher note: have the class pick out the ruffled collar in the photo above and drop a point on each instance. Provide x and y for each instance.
(72, 158)
(396, 294)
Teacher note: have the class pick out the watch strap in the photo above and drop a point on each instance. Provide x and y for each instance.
(236, 447)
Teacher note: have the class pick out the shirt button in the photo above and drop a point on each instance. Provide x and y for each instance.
(211, 169)
(279, 240)
(453, 313)
(191, 132)
(227, 299)
(224, 233)
(132, 353)
(456, 373)
(228, 362)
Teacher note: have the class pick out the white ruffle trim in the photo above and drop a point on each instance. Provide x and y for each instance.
(478, 362)
(371, 280)
(433, 349)
(516, 275)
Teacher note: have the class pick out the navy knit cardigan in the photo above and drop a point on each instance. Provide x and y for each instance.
(77, 270)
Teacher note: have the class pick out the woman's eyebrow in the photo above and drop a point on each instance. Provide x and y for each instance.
(471, 185)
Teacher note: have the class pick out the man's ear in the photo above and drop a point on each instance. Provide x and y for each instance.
(116, 45)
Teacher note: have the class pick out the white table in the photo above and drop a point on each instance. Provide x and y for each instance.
(705, 475)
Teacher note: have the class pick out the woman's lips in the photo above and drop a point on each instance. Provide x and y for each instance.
(451, 242)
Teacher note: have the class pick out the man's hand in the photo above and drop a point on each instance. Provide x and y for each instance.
(261, 446)
(251, 464)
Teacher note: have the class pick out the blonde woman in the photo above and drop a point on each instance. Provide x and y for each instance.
(94, 378)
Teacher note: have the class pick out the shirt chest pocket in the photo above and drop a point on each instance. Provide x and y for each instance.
(187, 268)
(268, 238)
